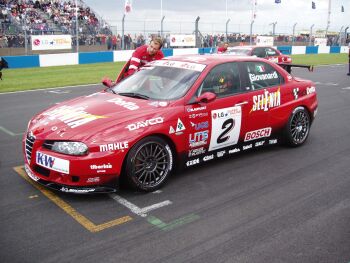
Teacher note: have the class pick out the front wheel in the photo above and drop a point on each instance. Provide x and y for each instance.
(149, 163)
(298, 127)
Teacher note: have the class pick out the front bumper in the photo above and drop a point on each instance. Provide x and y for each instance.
(72, 189)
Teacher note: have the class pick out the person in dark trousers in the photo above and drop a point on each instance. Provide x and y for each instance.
(349, 57)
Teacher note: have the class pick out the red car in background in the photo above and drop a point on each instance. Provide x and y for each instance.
(269, 53)
(178, 110)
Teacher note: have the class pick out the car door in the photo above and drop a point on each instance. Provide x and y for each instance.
(265, 93)
(223, 122)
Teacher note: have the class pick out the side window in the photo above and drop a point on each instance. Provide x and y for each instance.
(271, 52)
(259, 52)
(262, 75)
(223, 80)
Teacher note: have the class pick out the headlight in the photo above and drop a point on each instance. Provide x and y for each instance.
(71, 148)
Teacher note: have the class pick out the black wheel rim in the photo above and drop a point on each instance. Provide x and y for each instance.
(151, 164)
(299, 127)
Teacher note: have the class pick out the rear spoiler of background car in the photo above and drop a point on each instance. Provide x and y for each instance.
(288, 67)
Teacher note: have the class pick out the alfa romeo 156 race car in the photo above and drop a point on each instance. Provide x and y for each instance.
(179, 110)
(269, 53)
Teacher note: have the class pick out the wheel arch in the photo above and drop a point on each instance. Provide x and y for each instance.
(160, 135)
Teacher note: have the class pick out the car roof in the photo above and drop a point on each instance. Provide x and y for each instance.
(211, 59)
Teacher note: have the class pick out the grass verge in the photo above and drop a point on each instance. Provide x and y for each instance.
(51, 77)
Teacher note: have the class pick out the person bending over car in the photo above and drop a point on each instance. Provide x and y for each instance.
(223, 48)
(139, 58)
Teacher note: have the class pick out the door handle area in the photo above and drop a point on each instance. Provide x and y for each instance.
(241, 103)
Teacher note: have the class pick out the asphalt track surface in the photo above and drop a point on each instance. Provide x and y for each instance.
(272, 205)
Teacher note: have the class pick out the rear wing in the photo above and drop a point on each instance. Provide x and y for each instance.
(288, 67)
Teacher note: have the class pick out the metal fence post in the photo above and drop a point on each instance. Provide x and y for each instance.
(197, 32)
(310, 34)
(123, 21)
(228, 21)
(293, 33)
(161, 26)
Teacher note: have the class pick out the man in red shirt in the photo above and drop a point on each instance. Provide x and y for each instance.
(139, 58)
(223, 48)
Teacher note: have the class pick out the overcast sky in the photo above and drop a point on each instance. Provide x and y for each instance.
(181, 14)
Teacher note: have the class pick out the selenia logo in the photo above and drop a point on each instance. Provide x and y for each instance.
(266, 100)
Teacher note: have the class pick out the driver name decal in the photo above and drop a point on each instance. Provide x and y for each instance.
(254, 77)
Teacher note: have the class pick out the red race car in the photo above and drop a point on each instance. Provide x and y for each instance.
(178, 110)
(268, 53)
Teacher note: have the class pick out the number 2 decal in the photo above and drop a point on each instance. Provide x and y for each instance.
(227, 126)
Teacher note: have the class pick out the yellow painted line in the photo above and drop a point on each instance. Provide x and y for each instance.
(85, 222)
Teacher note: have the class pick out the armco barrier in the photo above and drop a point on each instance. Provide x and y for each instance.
(95, 57)
(23, 61)
(124, 55)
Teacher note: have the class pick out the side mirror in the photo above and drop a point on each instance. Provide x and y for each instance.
(206, 97)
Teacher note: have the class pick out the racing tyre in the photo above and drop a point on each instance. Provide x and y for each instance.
(298, 127)
(149, 163)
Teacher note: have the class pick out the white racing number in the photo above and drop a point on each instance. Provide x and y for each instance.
(225, 128)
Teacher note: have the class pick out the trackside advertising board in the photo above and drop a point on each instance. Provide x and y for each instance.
(51, 42)
(182, 40)
(264, 41)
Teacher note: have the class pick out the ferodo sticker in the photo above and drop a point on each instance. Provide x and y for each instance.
(225, 128)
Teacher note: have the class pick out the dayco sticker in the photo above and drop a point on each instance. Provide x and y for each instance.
(146, 123)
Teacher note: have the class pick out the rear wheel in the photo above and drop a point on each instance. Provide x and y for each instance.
(149, 163)
(298, 127)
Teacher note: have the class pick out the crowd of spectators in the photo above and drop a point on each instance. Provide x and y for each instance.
(57, 16)
(48, 17)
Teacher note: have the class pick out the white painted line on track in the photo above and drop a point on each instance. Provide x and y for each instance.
(58, 91)
(137, 210)
(347, 88)
(9, 132)
(65, 87)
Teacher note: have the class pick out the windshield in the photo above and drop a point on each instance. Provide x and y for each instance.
(158, 83)
(242, 51)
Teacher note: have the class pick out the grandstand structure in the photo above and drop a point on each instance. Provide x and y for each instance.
(33, 17)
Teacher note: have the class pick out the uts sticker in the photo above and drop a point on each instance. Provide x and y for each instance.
(266, 101)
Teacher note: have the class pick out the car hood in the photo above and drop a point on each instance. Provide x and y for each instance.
(85, 117)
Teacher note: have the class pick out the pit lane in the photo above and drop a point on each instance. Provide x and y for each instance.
(272, 205)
